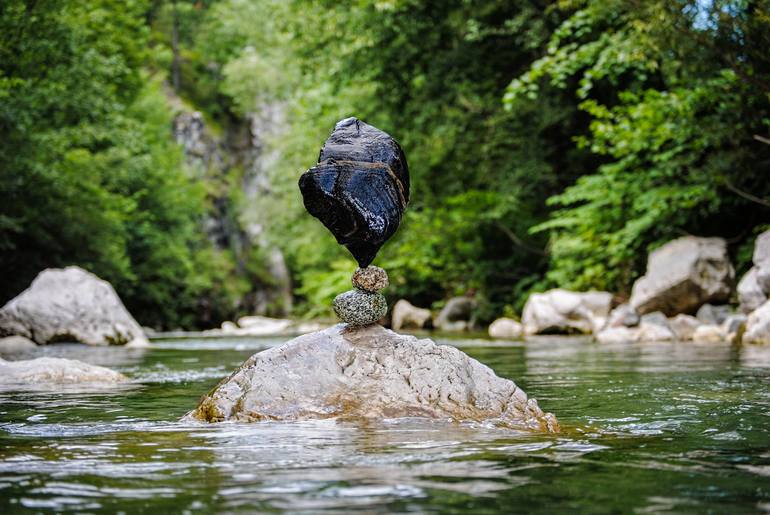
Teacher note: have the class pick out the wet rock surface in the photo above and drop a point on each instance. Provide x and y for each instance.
(684, 274)
(70, 304)
(358, 307)
(359, 189)
(369, 372)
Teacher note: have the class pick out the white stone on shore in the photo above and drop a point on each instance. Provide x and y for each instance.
(561, 310)
(407, 316)
(506, 329)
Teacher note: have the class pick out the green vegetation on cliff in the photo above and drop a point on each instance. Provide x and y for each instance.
(549, 143)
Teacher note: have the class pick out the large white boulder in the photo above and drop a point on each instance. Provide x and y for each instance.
(369, 373)
(405, 315)
(559, 311)
(684, 274)
(55, 371)
(758, 325)
(70, 304)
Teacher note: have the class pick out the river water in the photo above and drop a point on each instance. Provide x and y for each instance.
(648, 428)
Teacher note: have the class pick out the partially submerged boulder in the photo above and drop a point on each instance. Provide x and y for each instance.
(563, 311)
(16, 344)
(407, 316)
(369, 372)
(70, 304)
(653, 327)
(684, 274)
(456, 315)
(55, 371)
(506, 329)
(623, 316)
(684, 326)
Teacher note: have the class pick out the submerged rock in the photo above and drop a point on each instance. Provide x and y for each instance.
(684, 274)
(506, 329)
(563, 311)
(369, 372)
(359, 307)
(359, 189)
(70, 304)
(405, 315)
(55, 371)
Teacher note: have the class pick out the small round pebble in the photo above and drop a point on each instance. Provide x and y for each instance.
(358, 307)
(371, 278)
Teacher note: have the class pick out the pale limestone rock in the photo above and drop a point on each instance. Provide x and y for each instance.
(566, 311)
(684, 274)
(70, 304)
(407, 316)
(734, 327)
(750, 293)
(55, 371)
(684, 326)
(709, 334)
(758, 325)
(506, 329)
(644, 332)
(623, 316)
(369, 373)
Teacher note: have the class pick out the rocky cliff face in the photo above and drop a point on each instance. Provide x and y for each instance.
(239, 158)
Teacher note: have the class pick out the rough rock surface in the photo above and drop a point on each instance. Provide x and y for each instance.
(684, 274)
(358, 307)
(734, 327)
(371, 279)
(566, 311)
(758, 325)
(55, 371)
(708, 333)
(359, 189)
(70, 304)
(13, 344)
(506, 329)
(369, 372)
(407, 316)
(456, 315)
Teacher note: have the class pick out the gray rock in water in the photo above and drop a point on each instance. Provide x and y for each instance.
(456, 315)
(684, 326)
(55, 371)
(623, 316)
(70, 304)
(359, 307)
(713, 315)
(369, 373)
(758, 325)
(506, 329)
(371, 279)
(684, 274)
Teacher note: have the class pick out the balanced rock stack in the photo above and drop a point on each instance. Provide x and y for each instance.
(359, 190)
(363, 305)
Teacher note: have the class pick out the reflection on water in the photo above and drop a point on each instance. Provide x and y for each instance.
(649, 428)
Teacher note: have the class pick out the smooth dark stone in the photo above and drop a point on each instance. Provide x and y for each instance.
(359, 189)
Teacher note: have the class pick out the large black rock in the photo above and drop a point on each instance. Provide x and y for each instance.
(360, 187)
